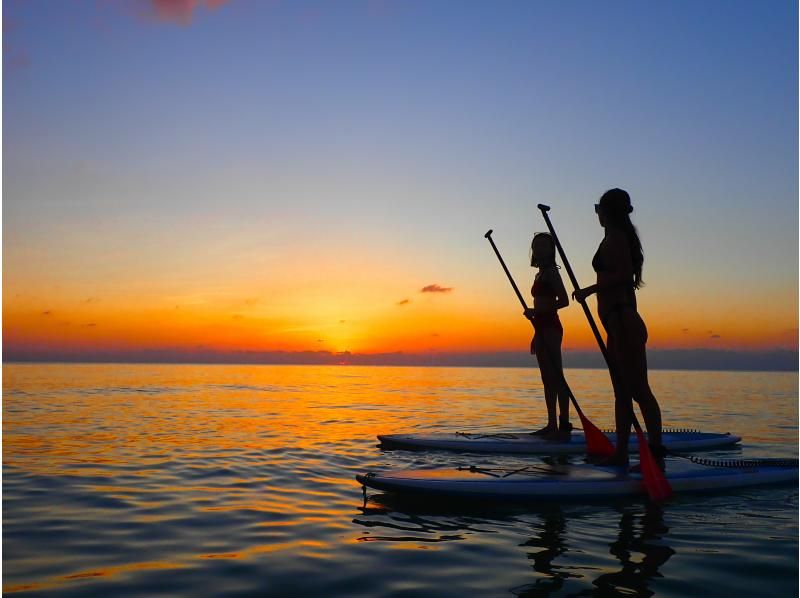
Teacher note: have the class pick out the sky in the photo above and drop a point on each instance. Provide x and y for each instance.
(272, 176)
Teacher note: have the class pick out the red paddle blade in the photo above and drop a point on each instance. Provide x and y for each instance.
(655, 482)
(597, 443)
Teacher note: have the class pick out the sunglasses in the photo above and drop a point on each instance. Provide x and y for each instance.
(597, 208)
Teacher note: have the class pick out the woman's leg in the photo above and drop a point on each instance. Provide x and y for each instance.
(554, 348)
(545, 369)
(549, 354)
(635, 364)
(622, 395)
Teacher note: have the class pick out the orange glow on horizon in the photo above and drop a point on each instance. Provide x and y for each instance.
(337, 326)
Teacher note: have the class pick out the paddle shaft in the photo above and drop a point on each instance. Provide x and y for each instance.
(575, 285)
(488, 235)
(502, 263)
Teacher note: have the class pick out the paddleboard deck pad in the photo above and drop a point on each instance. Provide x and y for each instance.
(526, 443)
(541, 482)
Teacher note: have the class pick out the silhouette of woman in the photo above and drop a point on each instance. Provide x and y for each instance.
(549, 296)
(618, 264)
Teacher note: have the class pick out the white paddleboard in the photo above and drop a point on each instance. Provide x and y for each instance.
(523, 442)
(573, 481)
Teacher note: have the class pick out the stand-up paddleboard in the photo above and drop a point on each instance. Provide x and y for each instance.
(522, 442)
(580, 481)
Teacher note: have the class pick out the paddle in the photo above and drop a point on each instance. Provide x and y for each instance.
(654, 480)
(596, 442)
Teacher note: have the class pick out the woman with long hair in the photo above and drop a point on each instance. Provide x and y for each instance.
(549, 296)
(618, 264)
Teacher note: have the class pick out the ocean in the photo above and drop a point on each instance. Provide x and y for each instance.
(221, 480)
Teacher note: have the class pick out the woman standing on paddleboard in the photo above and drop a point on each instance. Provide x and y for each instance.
(549, 295)
(618, 264)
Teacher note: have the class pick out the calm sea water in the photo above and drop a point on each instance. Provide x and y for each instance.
(124, 480)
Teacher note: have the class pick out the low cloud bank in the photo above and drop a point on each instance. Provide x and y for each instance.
(663, 359)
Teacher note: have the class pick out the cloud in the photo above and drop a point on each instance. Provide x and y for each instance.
(14, 57)
(435, 288)
(684, 330)
(180, 11)
(672, 359)
(715, 336)
(237, 317)
(404, 302)
(47, 313)
(90, 325)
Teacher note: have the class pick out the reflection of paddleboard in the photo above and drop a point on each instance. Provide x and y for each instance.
(551, 482)
(521, 442)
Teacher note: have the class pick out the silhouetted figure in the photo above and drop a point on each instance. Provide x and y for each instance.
(549, 295)
(618, 264)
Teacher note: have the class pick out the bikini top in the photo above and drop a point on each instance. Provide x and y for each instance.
(599, 266)
(542, 286)
(597, 262)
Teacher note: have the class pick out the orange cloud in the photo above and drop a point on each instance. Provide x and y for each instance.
(181, 11)
(435, 288)
(14, 57)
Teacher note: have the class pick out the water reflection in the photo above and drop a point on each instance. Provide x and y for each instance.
(195, 480)
(646, 538)
(551, 543)
(639, 549)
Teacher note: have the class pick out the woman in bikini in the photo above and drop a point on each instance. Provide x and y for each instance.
(549, 296)
(618, 264)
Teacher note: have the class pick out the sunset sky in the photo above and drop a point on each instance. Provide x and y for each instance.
(251, 175)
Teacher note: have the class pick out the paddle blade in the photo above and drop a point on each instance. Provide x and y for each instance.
(655, 482)
(597, 443)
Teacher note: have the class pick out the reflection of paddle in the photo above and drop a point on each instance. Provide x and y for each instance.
(654, 480)
(596, 442)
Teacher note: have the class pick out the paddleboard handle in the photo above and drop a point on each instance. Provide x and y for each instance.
(543, 207)
(488, 234)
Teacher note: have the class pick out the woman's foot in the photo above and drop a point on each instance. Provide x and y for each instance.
(563, 432)
(546, 431)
